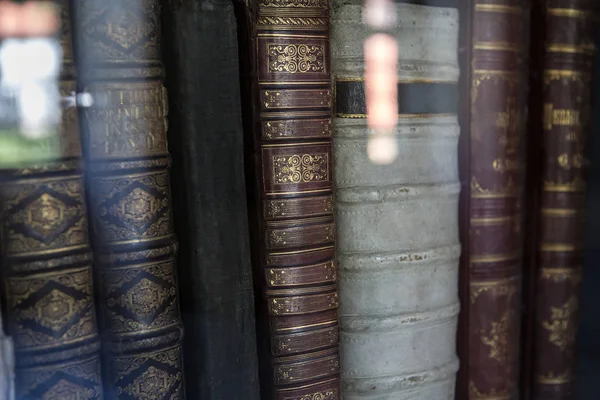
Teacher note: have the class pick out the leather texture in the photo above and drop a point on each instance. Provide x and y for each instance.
(127, 171)
(493, 185)
(47, 277)
(398, 245)
(288, 105)
(561, 104)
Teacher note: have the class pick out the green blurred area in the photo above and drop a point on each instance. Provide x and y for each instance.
(16, 151)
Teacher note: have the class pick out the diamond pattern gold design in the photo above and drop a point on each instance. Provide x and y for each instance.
(136, 207)
(45, 214)
(144, 298)
(154, 383)
(123, 26)
(55, 310)
(65, 390)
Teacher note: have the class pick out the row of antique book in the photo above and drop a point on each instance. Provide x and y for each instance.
(300, 269)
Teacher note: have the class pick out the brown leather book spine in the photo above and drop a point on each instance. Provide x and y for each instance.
(290, 121)
(125, 148)
(497, 136)
(561, 131)
(47, 266)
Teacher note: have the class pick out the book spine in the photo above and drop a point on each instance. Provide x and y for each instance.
(125, 148)
(499, 81)
(206, 142)
(291, 125)
(398, 245)
(47, 275)
(562, 131)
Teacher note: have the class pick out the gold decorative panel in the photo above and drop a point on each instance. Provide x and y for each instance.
(296, 58)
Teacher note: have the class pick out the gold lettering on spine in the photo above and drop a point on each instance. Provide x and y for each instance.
(560, 117)
(126, 151)
(133, 124)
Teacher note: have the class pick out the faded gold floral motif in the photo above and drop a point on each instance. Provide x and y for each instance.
(562, 324)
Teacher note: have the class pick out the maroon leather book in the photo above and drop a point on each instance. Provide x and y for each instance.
(493, 176)
(560, 126)
(288, 109)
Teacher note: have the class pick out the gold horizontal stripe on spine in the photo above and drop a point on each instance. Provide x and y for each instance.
(560, 380)
(294, 144)
(559, 212)
(299, 192)
(63, 343)
(132, 241)
(497, 46)
(559, 247)
(552, 272)
(571, 49)
(146, 331)
(50, 251)
(498, 8)
(139, 264)
(284, 253)
(292, 27)
(37, 181)
(299, 222)
(295, 292)
(569, 13)
(275, 275)
(297, 305)
(279, 35)
(495, 282)
(63, 271)
(307, 358)
(492, 258)
(563, 188)
(325, 82)
(401, 116)
(294, 114)
(293, 389)
(492, 195)
(290, 13)
(565, 73)
(293, 328)
(500, 72)
(493, 220)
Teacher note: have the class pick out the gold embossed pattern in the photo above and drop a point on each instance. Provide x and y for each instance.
(126, 151)
(298, 168)
(45, 217)
(293, 58)
(156, 374)
(131, 209)
(51, 310)
(72, 380)
(139, 298)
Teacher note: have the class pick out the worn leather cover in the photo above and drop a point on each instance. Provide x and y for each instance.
(288, 115)
(127, 168)
(47, 281)
(398, 245)
(209, 200)
(560, 127)
(493, 182)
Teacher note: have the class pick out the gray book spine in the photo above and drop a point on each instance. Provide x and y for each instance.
(398, 243)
